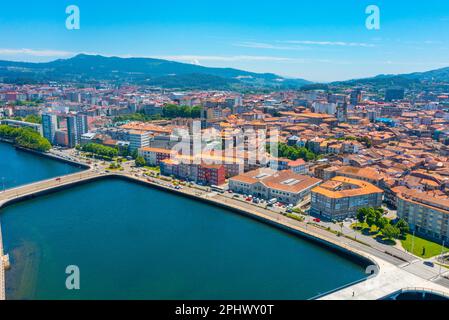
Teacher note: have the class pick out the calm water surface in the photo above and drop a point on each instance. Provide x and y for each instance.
(134, 242)
(19, 167)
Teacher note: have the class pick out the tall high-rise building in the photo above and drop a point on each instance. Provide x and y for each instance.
(49, 126)
(394, 93)
(138, 139)
(76, 127)
(356, 96)
(342, 112)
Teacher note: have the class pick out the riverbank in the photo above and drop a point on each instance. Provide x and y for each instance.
(307, 234)
(221, 254)
(329, 241)
(46, 154)
(52, 186)
(55, 157)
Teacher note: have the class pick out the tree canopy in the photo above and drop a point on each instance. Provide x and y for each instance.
(374, 217)
(100, 150)
(295, 152)
(391, 232)
(169, 111)
(140, 161)
(25, 137)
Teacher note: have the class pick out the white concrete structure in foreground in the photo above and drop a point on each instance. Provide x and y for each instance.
(389, 280)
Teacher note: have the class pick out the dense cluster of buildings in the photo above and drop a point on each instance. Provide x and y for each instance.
(370, 147)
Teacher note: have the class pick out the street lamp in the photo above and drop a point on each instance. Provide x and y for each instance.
(413, 242)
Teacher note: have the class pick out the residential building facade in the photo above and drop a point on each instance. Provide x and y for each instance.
(425, 213)
(340, 198)
(286, 186)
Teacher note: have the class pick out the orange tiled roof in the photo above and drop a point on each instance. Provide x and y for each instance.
(361, 188)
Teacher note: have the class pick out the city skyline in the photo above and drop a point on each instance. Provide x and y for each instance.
(300, 40)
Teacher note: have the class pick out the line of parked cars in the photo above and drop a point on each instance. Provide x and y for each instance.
(269, 203)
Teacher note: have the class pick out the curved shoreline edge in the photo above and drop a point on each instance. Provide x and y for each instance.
(347, 252)
(54, 157)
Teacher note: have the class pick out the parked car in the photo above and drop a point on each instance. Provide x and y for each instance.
(318, 220)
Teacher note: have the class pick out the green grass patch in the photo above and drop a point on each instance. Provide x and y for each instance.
(432, 249)
(359, 226)
(295, 217)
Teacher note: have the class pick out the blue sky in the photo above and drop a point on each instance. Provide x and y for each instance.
(316, 40)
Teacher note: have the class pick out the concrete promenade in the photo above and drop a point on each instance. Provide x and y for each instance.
(390, 279)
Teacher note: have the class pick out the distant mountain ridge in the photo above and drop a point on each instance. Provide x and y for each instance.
(157, 72)
(403, 80)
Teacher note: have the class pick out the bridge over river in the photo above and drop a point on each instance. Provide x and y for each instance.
(32, 190)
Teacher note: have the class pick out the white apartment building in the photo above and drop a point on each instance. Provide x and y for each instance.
(138, 139)
(425, 213)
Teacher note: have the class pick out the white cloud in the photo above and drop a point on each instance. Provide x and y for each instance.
(331, 43)
(35, 53)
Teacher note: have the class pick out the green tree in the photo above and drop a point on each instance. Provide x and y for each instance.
(32, 118)
(196, 112)
(403, 227)
(100, 150)
(140, 161)
(25, 137)
(295, 152)
(371, 217)
(391, 232)
(382, 222)
(134, 154)
(361, 214)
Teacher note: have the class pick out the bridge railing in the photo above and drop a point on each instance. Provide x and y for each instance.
(20, 191)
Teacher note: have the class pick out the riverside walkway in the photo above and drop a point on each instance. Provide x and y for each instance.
(389, 280)
(29, 190)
